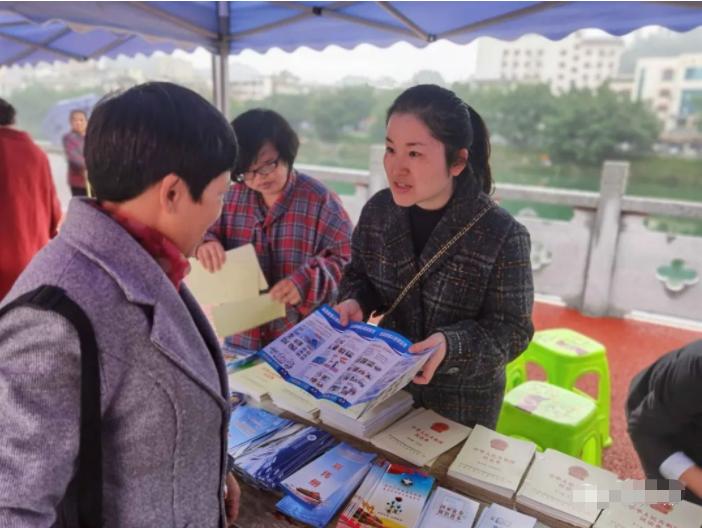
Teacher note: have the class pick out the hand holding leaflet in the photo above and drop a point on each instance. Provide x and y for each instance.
(348, 365)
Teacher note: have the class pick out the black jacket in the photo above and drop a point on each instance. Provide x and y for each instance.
(479, 294)
(664, 408)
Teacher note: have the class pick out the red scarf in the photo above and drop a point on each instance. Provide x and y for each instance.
(164, 251)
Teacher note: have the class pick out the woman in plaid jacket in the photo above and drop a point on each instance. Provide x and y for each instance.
(300, 230)
(474, 302)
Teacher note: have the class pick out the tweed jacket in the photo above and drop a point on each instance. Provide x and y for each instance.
(163, 387)
(479, 294)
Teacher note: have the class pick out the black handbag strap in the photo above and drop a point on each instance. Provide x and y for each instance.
(88, 478)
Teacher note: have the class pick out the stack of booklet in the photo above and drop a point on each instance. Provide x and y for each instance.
(248, 424)
(265, 386)
(391, 495)
(490, 466)
(267, 461)
(447, 509)
(562, 490)
(496, 516)
(681, 514)
(421, 437)
(317, 491)
(348, 365)
(364, 423)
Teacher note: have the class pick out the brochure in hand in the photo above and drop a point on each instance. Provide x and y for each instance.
(349, 364)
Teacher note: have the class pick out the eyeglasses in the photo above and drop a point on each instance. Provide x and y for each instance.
(264, 170)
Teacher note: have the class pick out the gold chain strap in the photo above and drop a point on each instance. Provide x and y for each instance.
(433, 259)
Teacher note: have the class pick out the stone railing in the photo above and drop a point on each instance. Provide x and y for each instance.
(603, 261)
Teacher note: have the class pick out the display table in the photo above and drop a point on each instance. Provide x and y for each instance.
(257, 508)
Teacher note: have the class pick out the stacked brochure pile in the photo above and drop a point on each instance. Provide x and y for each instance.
(248, 424)
(447, 509)
(421, 437)
(265, 386)
(348, 365)
(681, 514)
(268, 460)
(318, 490)
(364, 423)
(391, 495)
(562, 490)
(490, 466)
(496, 516)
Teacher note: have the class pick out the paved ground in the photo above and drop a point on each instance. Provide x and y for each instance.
(631, 346)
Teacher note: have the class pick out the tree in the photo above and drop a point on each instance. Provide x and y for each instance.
(517, 113)
(588, 127)
(334, 111)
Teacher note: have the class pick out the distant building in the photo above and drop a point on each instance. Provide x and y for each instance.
(672, 86)
(577, 61)
(624, 85)
(247, 84)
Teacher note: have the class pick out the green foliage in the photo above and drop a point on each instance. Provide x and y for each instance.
(517, 113)
(589, 127)
(339, 110)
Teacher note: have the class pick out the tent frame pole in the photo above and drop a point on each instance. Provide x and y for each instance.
(220, 61)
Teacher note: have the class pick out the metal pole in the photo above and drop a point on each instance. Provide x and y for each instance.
(223, 57)
(216, 87)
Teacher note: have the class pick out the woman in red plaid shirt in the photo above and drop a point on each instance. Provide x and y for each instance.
(300, 230)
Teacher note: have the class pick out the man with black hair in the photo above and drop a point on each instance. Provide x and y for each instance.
(664, 416)
(158, 158)
(29, 207)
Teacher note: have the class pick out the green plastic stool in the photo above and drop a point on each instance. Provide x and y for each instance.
(551, 416)
(515, 373)
(565, 355)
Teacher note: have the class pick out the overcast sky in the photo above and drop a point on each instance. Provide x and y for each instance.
(400, 61)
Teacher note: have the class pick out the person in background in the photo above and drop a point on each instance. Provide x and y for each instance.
(73, 144)
(664, 418)
(159, 158)
(300, 230)
(473, 301)
(29, 206)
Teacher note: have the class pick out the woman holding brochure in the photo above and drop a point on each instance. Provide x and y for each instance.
(440, 261)
(299, 228)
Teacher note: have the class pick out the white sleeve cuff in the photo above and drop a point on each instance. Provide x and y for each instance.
(675, 465)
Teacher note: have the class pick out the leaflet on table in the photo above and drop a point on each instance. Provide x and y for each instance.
(497, 516)
(348, 518)
(447, 509)
(316, 482)
(348, 365)
(397, 499)
(320, 516)
(247, 423)
(272, 462)
(237, 357)
(681, 514)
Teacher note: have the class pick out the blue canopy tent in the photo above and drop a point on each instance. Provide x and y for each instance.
(31, 32)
